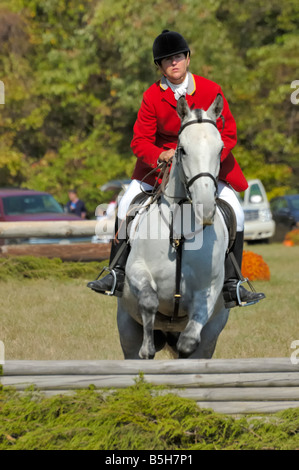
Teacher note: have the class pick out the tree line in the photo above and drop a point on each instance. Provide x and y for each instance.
(74, 72)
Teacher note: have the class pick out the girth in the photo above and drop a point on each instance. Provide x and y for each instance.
(178, 246)
(177, 243)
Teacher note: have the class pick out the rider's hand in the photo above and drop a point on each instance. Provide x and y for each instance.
(166, 156)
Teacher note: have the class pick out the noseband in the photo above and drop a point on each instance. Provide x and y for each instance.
(180, 151)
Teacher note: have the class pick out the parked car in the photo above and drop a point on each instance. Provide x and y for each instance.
(285, 211)
(259, 224)
(29, 205)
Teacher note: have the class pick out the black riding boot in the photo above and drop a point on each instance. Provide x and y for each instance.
(232, 287)
(113, 283)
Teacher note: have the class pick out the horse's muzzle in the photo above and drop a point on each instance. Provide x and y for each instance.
(208, 216)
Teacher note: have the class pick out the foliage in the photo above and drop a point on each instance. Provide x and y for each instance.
(254, 267)
(140, 417)
(292, 237)
(74, 74)
(31, 267)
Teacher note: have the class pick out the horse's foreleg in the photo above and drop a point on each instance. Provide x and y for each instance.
(130, 332)
(189, 338)
(148, 305)
(202, 310)
(210, 333)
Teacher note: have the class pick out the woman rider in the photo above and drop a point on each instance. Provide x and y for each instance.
(155, 140)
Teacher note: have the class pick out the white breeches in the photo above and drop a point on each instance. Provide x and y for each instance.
(132, 191)
(224, 192)
(228, 194)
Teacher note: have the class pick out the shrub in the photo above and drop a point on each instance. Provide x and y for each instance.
(254, 267)
(292, 238)
(140, 417)
(31, 267)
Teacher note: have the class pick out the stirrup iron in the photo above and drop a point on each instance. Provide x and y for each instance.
(245, 304)
(242, 280)
(111, 271)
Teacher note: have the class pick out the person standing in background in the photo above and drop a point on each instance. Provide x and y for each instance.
(75, 205)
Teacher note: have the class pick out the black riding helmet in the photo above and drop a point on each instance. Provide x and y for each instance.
(169, 43)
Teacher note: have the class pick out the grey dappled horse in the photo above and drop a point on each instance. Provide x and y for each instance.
(145, 314)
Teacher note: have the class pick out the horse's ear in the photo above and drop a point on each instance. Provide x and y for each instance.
(182, 108)
(216, 107)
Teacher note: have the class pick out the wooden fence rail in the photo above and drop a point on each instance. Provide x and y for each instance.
(84, 251)
(229, 386)
(48, 229)
(69, 252)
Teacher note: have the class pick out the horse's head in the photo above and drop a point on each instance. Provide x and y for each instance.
(198, 156)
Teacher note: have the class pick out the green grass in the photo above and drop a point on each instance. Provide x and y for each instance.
(47, 312)
(47, 319)
(268, 328)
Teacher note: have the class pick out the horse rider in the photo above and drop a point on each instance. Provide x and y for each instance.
(155, 139)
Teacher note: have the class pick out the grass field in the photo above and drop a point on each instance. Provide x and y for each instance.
(47, 312)
(50, 318)
(268, 328)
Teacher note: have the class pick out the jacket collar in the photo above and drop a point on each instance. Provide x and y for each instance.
(169, 96)
(191, 84)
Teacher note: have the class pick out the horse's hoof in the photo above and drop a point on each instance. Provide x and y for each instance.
(183, 355)
(144, 354)
(186, 347)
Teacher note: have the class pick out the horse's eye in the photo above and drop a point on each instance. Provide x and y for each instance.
(183, 151)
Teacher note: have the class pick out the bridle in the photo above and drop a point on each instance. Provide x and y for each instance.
(180, 151)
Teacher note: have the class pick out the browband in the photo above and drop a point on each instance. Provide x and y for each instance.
(197, 121)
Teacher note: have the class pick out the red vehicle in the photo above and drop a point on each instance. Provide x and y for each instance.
(29, 205)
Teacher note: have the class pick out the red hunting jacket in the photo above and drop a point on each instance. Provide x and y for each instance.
(157, 126)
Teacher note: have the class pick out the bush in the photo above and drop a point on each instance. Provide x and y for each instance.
(292, 238)
(31, 267)
(254, 267)
(140, 417)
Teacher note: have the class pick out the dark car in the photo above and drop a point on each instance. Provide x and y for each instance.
(285, 212)
(29, 205)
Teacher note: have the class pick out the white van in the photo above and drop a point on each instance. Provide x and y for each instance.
(259, 224)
